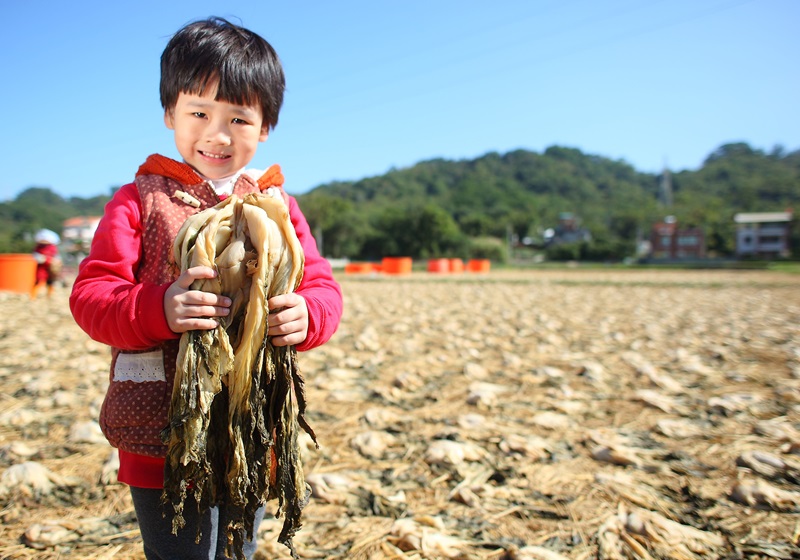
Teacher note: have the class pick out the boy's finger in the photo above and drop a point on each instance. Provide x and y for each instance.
(190, 275)
(276, 302)
(285, 300)
(201, 272)
(211, 311)
(197, 324)
(197, 297)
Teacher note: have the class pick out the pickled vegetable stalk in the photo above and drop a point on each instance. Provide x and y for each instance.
(238, 402)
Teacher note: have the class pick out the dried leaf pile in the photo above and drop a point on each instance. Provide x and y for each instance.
(232, 436)
(533, 415)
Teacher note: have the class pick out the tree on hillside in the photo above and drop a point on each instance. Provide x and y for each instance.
(418, 230)
(339, 227)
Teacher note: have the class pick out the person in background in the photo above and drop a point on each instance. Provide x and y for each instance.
(221, 89)
(48, 261)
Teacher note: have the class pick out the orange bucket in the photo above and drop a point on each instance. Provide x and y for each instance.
(479, 265)
(439, 265)
(456, 265)
(17, 272)
(359, 268)
(396, 265)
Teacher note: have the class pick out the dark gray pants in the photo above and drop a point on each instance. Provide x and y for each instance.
(161, 544)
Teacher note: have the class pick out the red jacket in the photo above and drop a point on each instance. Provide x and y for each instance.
(118, 299)
(44, 271)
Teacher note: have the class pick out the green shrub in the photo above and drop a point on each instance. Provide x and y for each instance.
(490, 248)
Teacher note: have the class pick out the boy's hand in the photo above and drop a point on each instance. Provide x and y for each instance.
(188, 310)
(288, 325)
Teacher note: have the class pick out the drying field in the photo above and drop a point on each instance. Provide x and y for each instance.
(537, 415)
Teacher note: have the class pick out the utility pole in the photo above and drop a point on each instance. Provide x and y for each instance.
(665, 188)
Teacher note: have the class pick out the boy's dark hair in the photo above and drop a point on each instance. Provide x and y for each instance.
(244, 66)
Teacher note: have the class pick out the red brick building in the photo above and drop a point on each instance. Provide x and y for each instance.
(669, 241)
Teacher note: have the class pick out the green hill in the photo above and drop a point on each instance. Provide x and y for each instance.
(456, 208)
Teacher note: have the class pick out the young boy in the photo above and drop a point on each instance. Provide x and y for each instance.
(221, 89)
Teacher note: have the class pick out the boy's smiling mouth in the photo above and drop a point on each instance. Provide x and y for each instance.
(214, 156)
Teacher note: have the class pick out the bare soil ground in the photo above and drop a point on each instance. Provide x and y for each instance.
(543, 415)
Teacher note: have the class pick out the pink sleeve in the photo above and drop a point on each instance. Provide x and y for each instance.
(322, 293)
(107, 301)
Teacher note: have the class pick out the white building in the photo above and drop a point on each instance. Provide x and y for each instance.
(77, 233)
(762, 234)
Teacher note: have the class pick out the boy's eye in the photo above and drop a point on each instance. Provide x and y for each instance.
(239, 121)
(199, 115)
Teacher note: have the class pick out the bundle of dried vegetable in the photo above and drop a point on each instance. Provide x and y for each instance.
(238, 402)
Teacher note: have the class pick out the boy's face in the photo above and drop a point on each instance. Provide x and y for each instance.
(216, 138)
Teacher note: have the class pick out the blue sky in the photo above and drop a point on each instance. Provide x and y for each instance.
(375, 85)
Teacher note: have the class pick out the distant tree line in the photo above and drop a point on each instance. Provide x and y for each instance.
(472, 208)
(37, 208)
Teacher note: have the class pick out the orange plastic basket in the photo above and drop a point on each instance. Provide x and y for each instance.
(17, 272)
(456, 265)
(396, 265)
(439, 265)
(479, 265)
(359, 268)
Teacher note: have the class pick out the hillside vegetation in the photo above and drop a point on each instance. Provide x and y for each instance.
(456, 208)
(37, 208)
(471, 208)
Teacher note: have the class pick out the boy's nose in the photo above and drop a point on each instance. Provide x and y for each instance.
(218, 133)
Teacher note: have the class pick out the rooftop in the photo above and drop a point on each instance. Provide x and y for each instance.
(762, 217)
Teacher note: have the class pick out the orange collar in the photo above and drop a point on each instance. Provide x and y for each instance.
(157, 164)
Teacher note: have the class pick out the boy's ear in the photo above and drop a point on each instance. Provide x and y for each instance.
(264, 133)
(169, 119)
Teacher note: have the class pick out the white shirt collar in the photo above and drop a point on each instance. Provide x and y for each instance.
(225, 185)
